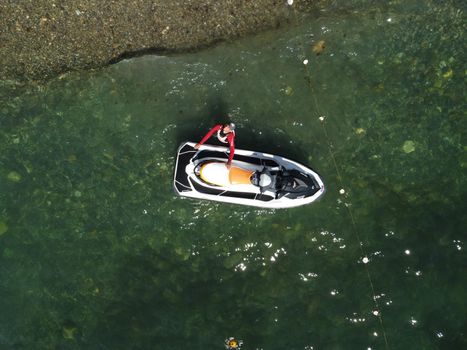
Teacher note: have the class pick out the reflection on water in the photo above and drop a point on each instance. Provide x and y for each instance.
(97, 252)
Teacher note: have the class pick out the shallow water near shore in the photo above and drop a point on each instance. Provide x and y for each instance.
(96, 251)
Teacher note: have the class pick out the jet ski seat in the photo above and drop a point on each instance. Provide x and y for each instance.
(217, 174)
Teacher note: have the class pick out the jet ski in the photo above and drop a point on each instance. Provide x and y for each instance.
(254, 178)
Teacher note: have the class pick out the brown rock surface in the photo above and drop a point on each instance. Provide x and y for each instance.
(40, 39)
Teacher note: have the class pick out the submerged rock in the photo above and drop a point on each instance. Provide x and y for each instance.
(14, 176)
(69, 330)
(3, 228)
(288, 91)
(409, 146)
(360, 131)
(319, 47)
(69, 333)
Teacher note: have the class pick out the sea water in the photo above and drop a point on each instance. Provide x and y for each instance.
(97, 252)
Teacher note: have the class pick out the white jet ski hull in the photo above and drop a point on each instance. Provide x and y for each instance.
(211, 184)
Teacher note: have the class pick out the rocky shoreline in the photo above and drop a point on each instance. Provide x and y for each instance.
(40, 39)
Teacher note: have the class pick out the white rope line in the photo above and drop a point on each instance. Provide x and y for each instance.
(322, 120)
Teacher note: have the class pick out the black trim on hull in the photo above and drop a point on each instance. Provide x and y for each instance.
(242, 158)
(246, 195)
(184, 157)
(180, 188)
(224, 193)
(269, 163)
(264, 197)
(223, 155)
(206, 190)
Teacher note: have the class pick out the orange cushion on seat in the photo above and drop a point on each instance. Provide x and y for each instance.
(238, 176)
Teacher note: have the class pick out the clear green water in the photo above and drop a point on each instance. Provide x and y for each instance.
(96, 252)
